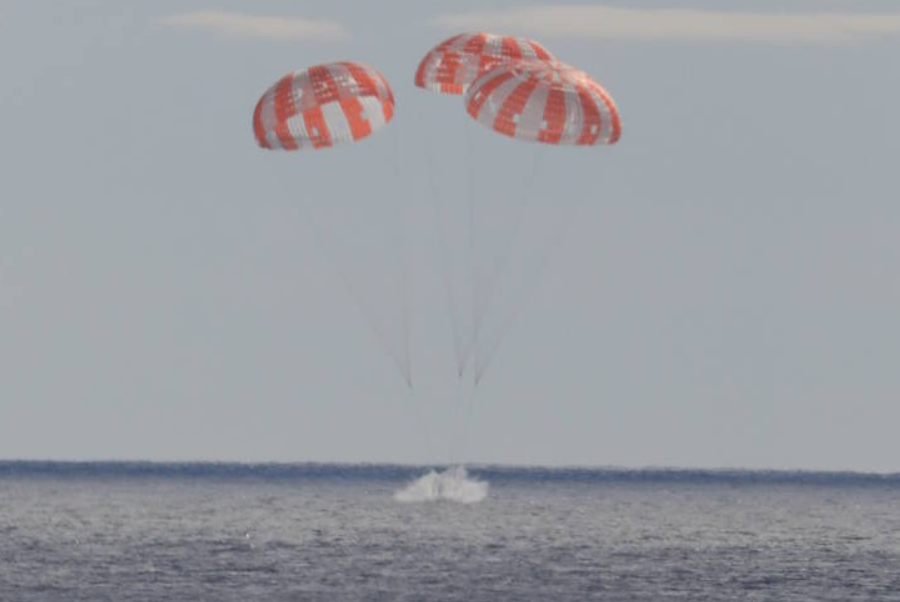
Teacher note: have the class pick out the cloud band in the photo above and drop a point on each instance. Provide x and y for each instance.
(250, 26)
(600, 22)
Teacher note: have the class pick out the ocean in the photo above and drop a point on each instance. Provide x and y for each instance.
(223, 532)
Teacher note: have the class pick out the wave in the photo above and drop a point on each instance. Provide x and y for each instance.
(453, 484)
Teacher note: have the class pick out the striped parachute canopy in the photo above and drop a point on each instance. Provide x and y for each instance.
(451, 66)
(323, 106)
(552, 103)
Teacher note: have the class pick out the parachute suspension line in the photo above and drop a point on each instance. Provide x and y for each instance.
(471, 345)
(423, 424)
(443, 250)
(405, 269)
(457, 417)
(461, 408)
(499, 267)
(356, 295)
(531, 280)
(470, 410)
(406, 246)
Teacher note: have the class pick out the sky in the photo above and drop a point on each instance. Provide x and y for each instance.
(726, 294)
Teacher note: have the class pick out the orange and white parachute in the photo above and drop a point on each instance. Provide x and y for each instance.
(328, 105)
(323, 106)
(452, 66)
(548, 102)
(516, 88)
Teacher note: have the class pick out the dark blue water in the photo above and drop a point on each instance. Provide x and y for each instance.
(135, 531)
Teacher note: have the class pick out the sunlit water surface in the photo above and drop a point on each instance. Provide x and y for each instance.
(123, 532)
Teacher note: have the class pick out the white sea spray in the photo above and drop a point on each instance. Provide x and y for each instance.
(453, 484)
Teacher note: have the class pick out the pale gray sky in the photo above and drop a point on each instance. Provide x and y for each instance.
(729, 294)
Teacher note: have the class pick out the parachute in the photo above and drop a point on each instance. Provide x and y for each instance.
(330, 105)
(554, 104)
(451, 66)
(547, 102)
(449, 69)
(323, 106)
(517, 88)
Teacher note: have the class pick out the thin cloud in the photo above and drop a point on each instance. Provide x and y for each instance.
(601, 22)
(251, 26)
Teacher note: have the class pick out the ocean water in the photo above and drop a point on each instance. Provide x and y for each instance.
(148, 532)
